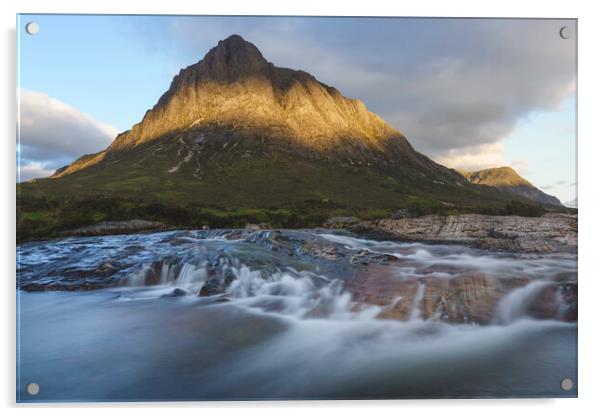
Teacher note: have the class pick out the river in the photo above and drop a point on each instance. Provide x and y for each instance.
(235, 314)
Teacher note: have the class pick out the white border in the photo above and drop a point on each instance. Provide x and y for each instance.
(590, 70)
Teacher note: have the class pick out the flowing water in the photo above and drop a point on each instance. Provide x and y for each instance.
(193, 315)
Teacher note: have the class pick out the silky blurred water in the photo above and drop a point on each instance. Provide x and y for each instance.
(287, 331)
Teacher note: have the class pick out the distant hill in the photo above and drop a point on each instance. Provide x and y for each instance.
(506, 179)
(571, 204)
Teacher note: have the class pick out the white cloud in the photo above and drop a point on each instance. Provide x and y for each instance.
(53, 133)
(473, 158)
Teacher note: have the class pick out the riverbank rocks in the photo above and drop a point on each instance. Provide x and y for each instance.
(341, 222)
(116, 227)
(547, 234)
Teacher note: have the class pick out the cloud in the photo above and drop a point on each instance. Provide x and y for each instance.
(33, 170)
(557, 184)
(452, 86)
(521, 166)
(53, 134)
(473, 158)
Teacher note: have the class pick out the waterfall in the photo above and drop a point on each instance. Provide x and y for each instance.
(164, 278)
(191, 275)
(188, 275)
(302, 294)
(563, 306)
(138, 278)
(416, 312)
(515, 304)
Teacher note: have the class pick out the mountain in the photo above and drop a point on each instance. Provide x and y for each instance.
(236, 139)
(506, 179)
(234, 90)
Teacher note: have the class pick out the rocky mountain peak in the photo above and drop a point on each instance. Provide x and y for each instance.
(236, 88)
(233, 57)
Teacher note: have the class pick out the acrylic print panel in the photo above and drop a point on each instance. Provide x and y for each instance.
(393, 217)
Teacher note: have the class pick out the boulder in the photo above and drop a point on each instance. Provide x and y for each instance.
(177, 292)
(400, 213)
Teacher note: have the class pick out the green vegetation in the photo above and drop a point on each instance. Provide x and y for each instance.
(42, 217)
(47, 217)
(421, 207)
(241, 184)
(523, 209)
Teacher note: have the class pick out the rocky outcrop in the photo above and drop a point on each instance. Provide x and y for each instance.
(547, 234)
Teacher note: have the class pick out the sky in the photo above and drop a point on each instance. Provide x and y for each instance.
(469, 93)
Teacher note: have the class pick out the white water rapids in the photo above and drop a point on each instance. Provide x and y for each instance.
(279, 329)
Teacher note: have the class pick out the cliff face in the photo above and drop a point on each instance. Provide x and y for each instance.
(506, 179)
